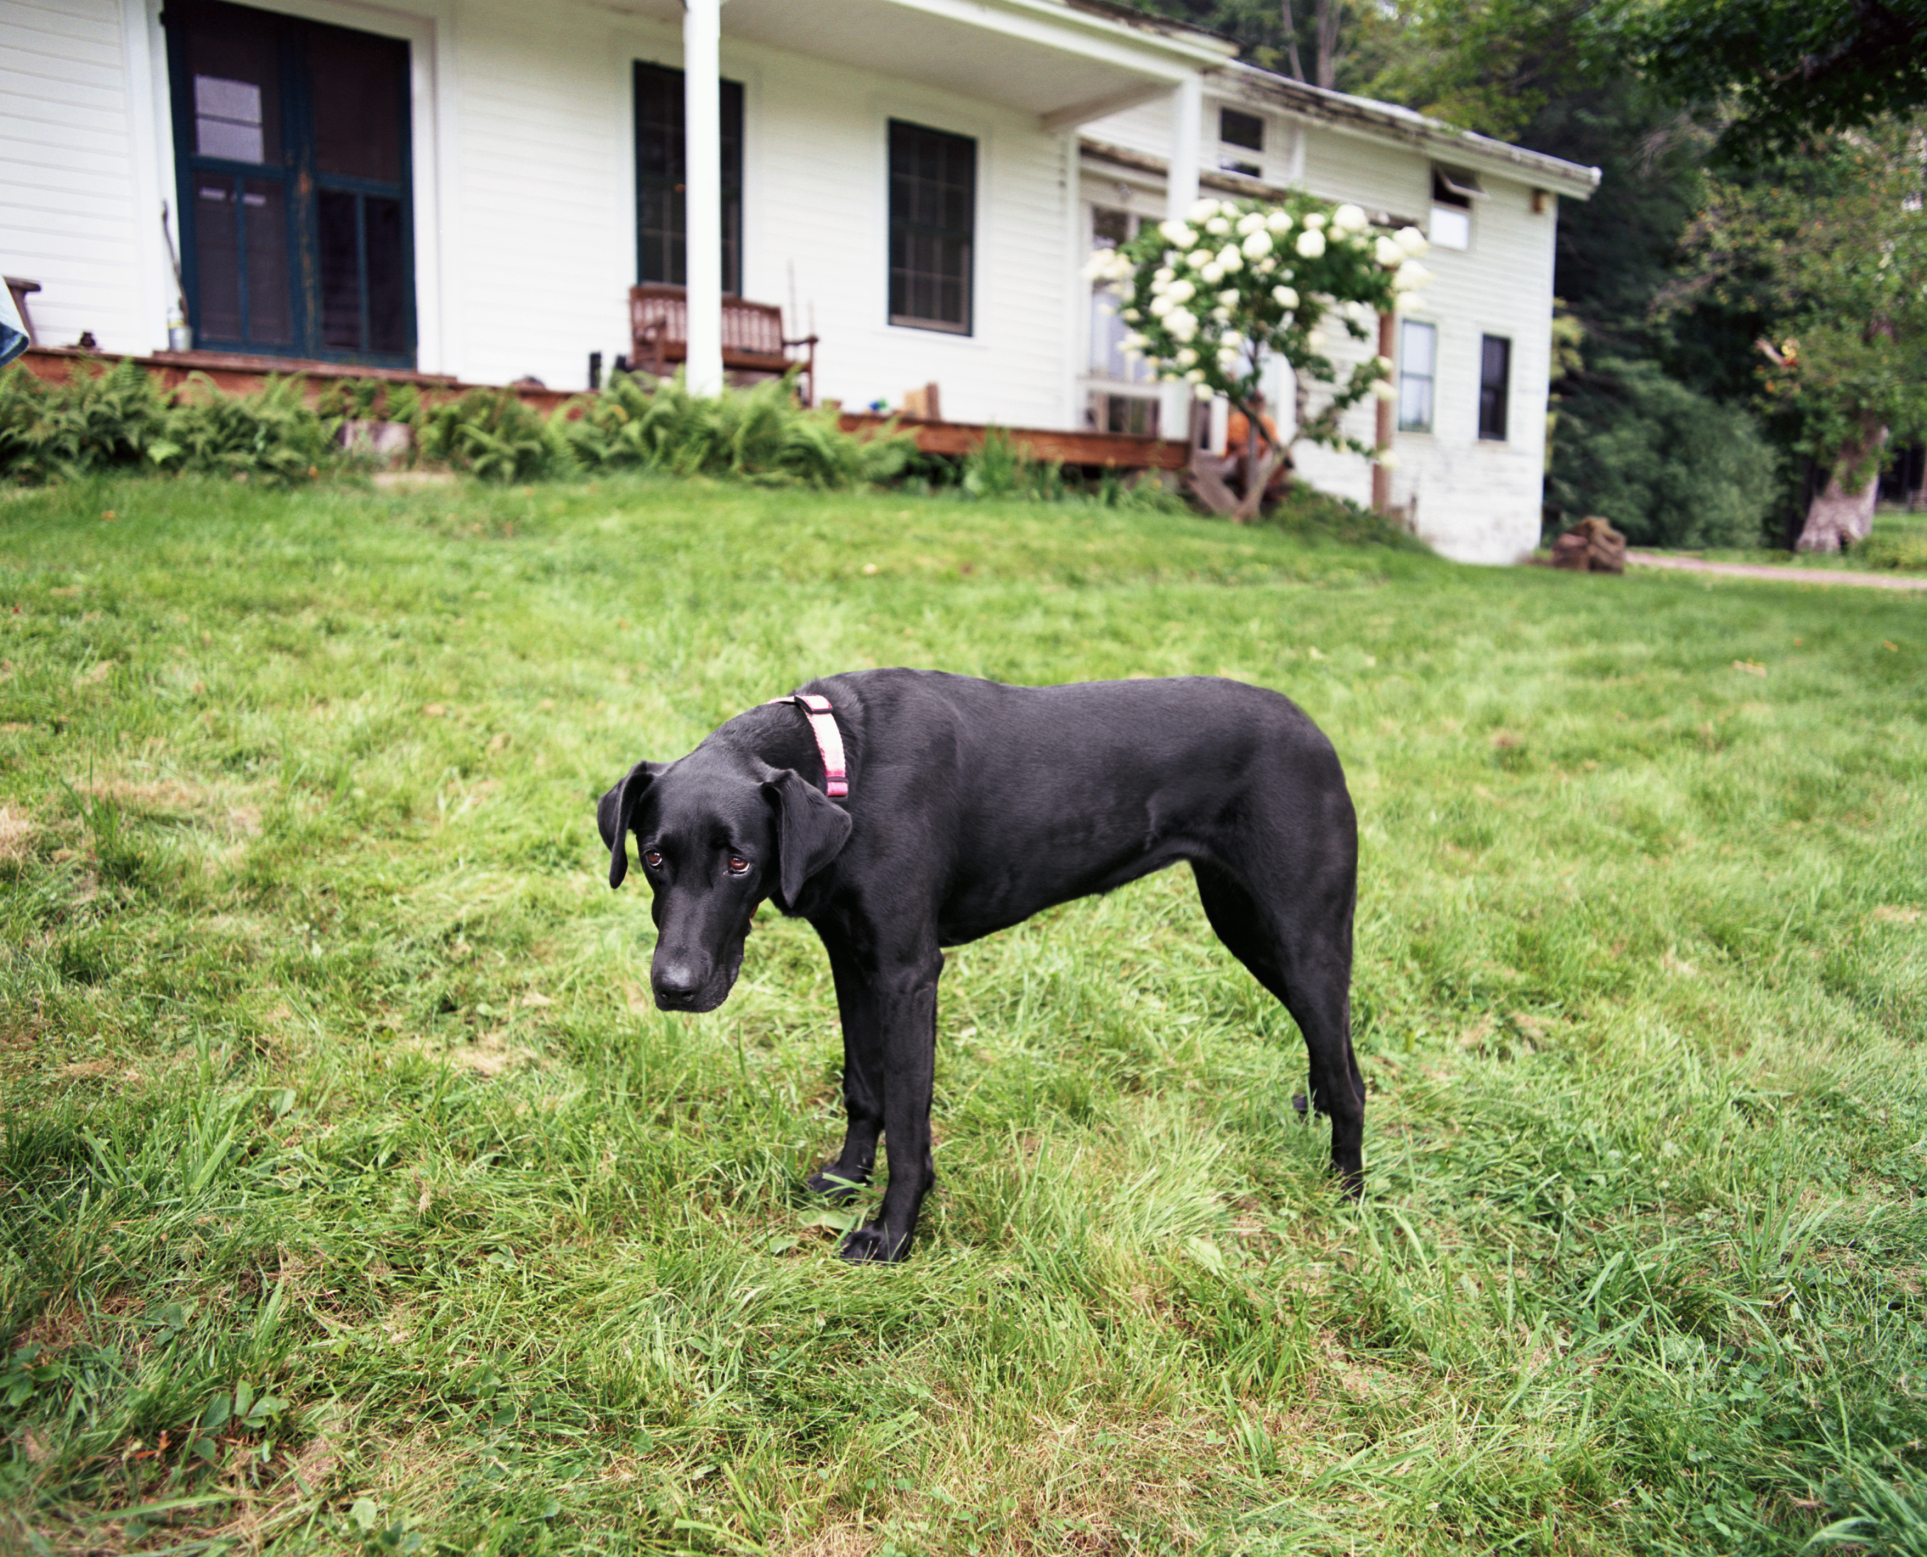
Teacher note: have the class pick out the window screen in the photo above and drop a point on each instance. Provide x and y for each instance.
(1495, 380)
(933, 222)
(1418, 348)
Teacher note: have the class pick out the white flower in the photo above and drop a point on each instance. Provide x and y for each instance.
(1212, 273)
(1257, 244)
(1099, 264)
(1266, 266)
(1136, 342)
(1387, 460)
(1197, 259)
(1222, 314)
(1349, 218)
(1360, 313)
(1250, 222)
(1177, 234)
(1229, 259)
(1403, 302)
(1311, 243)
(1279, 221)
(1315, 339)
(1218, 226)
(1315, 220)
(1411, 276)
(1229, 297)
(1131, 316)
(1185, 357)
(1163, 276)
(1387, 252)
(1204, 209)
(1182, 323)
(1180, 291)
(1232, 340)
(1285, 296)
(1383, 363)
(1412, 241)
(1383, 389)
(1162, 305)
(1196, 375)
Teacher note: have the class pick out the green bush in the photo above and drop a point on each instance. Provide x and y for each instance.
(1303, 510)
(1667, 465)
(117, 418)
(492, 434)
(758, 435)
(1905, 550)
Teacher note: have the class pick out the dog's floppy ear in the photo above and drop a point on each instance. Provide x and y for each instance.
(613, 811)
(811, 829)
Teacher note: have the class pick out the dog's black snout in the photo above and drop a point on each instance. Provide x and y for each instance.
(676, 981)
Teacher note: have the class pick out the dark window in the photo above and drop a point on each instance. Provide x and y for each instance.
(933, 224)
(292, 144)
(662, 203)
(1241, 129)
(1495, 379)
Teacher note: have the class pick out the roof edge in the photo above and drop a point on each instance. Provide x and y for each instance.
(1366, 115)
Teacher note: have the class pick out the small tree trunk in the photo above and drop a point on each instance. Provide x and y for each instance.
(1329, 12)
(1291, 43)
(1840, 515)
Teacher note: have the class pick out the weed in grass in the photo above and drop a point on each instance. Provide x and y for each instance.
(356, 1199)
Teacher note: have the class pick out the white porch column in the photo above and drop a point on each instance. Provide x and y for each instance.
(1180, 193)
(703, 192)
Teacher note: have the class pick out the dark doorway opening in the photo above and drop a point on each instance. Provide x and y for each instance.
(291, 138)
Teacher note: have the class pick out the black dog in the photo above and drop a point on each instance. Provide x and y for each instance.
(971, 806)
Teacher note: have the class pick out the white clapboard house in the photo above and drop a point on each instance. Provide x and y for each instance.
(470, 187)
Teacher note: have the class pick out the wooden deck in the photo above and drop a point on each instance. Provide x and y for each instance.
(1104, 451)
(239, 375)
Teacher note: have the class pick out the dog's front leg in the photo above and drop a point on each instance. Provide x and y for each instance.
(862, 1076)
(906, 1004)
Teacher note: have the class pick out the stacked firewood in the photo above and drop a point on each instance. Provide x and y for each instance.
(1591, 546)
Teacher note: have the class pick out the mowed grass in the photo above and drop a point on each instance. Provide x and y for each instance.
(353, 1196)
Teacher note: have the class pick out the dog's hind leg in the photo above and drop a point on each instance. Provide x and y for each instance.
(1303, 956)
(862, 1079)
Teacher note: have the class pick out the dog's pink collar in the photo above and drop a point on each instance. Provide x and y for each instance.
(829, 739)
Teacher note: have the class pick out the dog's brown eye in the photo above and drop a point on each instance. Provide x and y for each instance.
(653, 859)
(737, 865)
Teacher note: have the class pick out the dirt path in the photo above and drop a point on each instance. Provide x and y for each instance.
(1782, 575)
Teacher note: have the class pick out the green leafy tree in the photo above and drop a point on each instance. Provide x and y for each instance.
(1212, 298)
(1791, 68)
(1832, 248)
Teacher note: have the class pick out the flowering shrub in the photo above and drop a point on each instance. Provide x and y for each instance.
(1209, 298)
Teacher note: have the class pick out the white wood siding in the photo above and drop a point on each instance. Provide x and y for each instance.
(70, 185)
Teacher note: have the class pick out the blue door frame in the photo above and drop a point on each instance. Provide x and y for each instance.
(287, 250)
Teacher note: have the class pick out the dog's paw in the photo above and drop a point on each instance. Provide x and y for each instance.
(840, 1187)
(871, 1243)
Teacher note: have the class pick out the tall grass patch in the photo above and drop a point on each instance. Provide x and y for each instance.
(354, 1197)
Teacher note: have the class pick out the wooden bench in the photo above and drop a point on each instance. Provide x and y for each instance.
(753, 339)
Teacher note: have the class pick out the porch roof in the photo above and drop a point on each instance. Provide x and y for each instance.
(1066, 61)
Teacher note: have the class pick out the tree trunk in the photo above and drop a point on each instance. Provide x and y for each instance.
(1839, 514)
(1291, 43)
(1329, 12)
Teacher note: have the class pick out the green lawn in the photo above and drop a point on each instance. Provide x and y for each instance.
(353, 1196)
